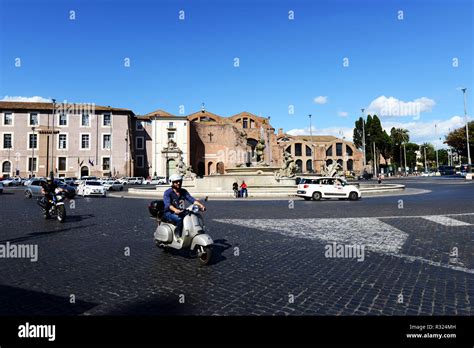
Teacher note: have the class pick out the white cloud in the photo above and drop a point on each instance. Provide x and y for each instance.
(343, 113)
(421, 132)
(35, 99)
(321, 100)
(338, 132)
(386, 107)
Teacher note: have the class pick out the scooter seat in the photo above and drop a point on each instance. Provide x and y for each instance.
(163, 219)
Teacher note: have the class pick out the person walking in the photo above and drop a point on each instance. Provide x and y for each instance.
(244, 190)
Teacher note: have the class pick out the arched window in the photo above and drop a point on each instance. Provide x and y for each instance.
(245, 123)
(349, 151)
(288, 149)
(329, 151)
(299, 164)
(329, 162)
(340, 162)
(298, 151)
(309, 165)
(350, 164)
(339, 149)
(210, 169)
(220, 168)
(6, 167)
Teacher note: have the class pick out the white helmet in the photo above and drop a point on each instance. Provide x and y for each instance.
(176, 177)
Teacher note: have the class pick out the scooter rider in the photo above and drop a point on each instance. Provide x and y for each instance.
(47, 189)
(174, 199)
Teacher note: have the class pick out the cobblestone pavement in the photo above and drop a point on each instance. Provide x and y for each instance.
(270, 258)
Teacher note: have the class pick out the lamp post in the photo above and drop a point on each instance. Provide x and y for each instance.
(405, 156)
(437, 163)
(311, 137)
(426, 168)
(363, 137)
(33, 152)
(51, 173)
(467, 126)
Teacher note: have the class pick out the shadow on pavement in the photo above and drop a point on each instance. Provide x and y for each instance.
(17, 301)
(41, 234)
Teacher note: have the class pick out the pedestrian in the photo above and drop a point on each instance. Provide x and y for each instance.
(235, 188)
(244, 190)
(379, 178)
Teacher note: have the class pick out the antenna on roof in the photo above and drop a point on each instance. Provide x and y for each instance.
(203, 110)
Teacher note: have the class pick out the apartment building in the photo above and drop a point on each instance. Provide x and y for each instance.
(67, 139)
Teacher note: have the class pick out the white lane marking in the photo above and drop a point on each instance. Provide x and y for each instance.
(371, 232)
(376, 235)
(446, 221)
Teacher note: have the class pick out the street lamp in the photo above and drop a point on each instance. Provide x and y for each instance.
(467, 126)
(51, 173)
(33, 152)
(363, 136)
(405, 156)
(437, 163)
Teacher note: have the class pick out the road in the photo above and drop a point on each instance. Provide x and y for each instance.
(411, 255)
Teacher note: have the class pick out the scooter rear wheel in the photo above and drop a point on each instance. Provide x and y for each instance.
(205, 255)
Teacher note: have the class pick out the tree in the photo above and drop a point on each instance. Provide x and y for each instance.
(430, 154)
(457, 140)
(357, 136)
(399, 137)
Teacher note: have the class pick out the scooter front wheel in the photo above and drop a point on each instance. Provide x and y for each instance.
(204, 254)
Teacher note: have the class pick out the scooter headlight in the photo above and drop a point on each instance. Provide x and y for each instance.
(195, 209)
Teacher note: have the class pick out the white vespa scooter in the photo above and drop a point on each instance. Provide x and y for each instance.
(193, 236)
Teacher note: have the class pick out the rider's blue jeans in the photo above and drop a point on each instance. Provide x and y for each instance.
(176, 219)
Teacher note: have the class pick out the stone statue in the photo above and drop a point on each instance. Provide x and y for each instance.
(189, 173)
(288, 168)
(181, 166)
(260, 152)
(331, 170)
(172, 144)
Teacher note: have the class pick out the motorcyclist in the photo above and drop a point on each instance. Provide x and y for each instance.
(174, 199)
(48, 188)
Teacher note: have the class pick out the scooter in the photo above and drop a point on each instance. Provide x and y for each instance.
(193, 236)
(57, 208)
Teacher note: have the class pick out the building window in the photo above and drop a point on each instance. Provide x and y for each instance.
(33, 119)
(299, 166)
(140, 161)
(85, 120)
(308, 151)
(139, 143)
(33, 141)
(245, 123)
(252, 123)
(7, 141)
(170, 135)
(288, 149)
(107, 120)
(106, 163)
(62, 164)
(85, 141)
(349, 151)
(106, 143)
(339, 149)
(350, 165)
(329, 151)
(309, 166)
(32, 163)
(139, 125)
(63, 119)
(62, 143)
(298, 151)
(7, 119)
(6, 167)
(170, 125)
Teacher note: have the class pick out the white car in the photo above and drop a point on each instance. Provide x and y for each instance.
(12, 181)
(159, 180)
(112, 185)
(317, 188)
(91, 188)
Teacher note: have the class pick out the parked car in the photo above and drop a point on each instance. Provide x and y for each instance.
(325, 187)
(1, 187)
(157, 180)
(136, 180)
(12, 181)
(365, 176)
(90, 187)
(33, 189)
(112, 185)
(124, 180)
(70, 181)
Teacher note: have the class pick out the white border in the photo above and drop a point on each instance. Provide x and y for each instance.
(102, 142)
(29, 119)
(80, 142)
(28, 140)
(57, 164)
(67, 141)
(3, 118)
(13, 141)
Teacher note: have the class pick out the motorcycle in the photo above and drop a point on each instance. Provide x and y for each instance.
(193, 236)
(57, 208)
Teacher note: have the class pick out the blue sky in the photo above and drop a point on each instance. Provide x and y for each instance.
(282, 62)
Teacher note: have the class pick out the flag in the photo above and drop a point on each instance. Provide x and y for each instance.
(91, 162)
(77, 160)
(80, 165)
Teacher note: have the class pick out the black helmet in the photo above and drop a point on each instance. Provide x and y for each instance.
(49, 179)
